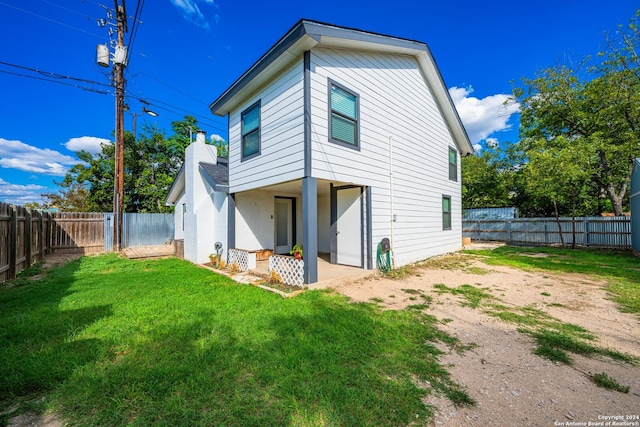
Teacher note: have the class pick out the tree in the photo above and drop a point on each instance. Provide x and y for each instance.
(559, 175)
(151, 163)
(595, 107)
(484, 183)
(72, 197)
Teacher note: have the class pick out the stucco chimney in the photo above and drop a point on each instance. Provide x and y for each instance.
(200, 136)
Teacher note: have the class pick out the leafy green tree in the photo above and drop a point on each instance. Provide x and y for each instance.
(560, 175)
(72, 197)
(593, 106)
(484, 182)
(151, 163)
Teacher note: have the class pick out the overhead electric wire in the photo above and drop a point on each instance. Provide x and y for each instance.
(200, 122)
(54, 75)
(173, 88)
(134, 29)
(66, 8)
(58, 81)
(171, 109)
(50, 20)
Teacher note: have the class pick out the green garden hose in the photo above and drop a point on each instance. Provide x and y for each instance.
(383, 259)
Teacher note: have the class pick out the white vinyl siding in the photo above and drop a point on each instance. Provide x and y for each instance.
(397, 109)
(281, 134)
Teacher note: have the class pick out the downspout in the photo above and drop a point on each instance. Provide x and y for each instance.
(393, 258)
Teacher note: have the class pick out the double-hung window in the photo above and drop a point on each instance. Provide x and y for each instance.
(343, 116)
(250, 124)
(446, 212)
(453, 164)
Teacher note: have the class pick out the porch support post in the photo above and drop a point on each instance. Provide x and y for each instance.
(310, 228)
(369, 247)
(334, 224)
(231, 221)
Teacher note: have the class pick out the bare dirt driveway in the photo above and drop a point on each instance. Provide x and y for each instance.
(510, 384)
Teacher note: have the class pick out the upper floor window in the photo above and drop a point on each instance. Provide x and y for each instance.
(446, 212)
(250, 124)
(344, 116)
(453, 164)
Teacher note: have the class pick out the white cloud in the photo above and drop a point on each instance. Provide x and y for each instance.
(482, 117)
(20, 194)
(477, 147)
(91, 144)
(215, 137)
(191, 12)
(24, 157)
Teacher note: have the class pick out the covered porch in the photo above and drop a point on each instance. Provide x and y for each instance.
(331, 220)
(328, 274)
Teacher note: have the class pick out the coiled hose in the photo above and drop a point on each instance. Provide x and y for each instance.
(383, 259)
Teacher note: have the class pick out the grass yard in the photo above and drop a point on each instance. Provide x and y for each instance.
(105, 341)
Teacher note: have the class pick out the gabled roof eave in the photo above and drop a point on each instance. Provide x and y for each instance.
(177, 188)
(307, 34)
(302, 37)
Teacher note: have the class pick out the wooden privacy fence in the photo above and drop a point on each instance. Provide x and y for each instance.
(609, 232)
(26, 236)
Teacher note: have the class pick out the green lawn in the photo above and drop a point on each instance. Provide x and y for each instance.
(106, 341)
(621, 269)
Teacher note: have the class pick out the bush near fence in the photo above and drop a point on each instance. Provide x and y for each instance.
(26, 236)
(606, 232)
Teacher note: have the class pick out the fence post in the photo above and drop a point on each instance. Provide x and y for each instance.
(40, 236)
(13, 241)
(509, 231)
(49, 236)
(28, 238)
(586, 232)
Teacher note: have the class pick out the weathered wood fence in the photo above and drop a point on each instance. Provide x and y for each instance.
(26, 236)
(608, 232)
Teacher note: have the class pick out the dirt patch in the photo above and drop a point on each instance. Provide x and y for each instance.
(511, 385)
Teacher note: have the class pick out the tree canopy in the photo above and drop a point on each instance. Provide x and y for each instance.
(579, 135)
(152, 160)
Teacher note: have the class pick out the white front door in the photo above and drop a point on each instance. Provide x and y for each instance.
(349, 238)
(283, 226)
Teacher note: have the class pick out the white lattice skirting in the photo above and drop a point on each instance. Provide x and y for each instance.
(239, 258)
(289, 269)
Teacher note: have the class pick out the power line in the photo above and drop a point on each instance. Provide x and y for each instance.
(50, 20)
(173, 88)
(66, 8)
(59, 82)
(55, 75)
(202, 118)
(136, 22)
(171, 109)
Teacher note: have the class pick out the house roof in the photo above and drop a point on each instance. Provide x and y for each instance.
(307, 34)
(177, 188)
(216, 175)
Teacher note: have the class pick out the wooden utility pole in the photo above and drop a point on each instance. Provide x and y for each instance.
(118, 70)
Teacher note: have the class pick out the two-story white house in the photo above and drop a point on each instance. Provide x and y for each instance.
(338, 138)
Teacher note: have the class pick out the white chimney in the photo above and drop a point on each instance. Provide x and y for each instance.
(200, 136)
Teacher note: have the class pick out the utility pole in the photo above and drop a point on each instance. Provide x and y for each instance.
(119, 81)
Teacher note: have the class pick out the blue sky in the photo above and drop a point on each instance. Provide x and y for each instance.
(186, 52)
